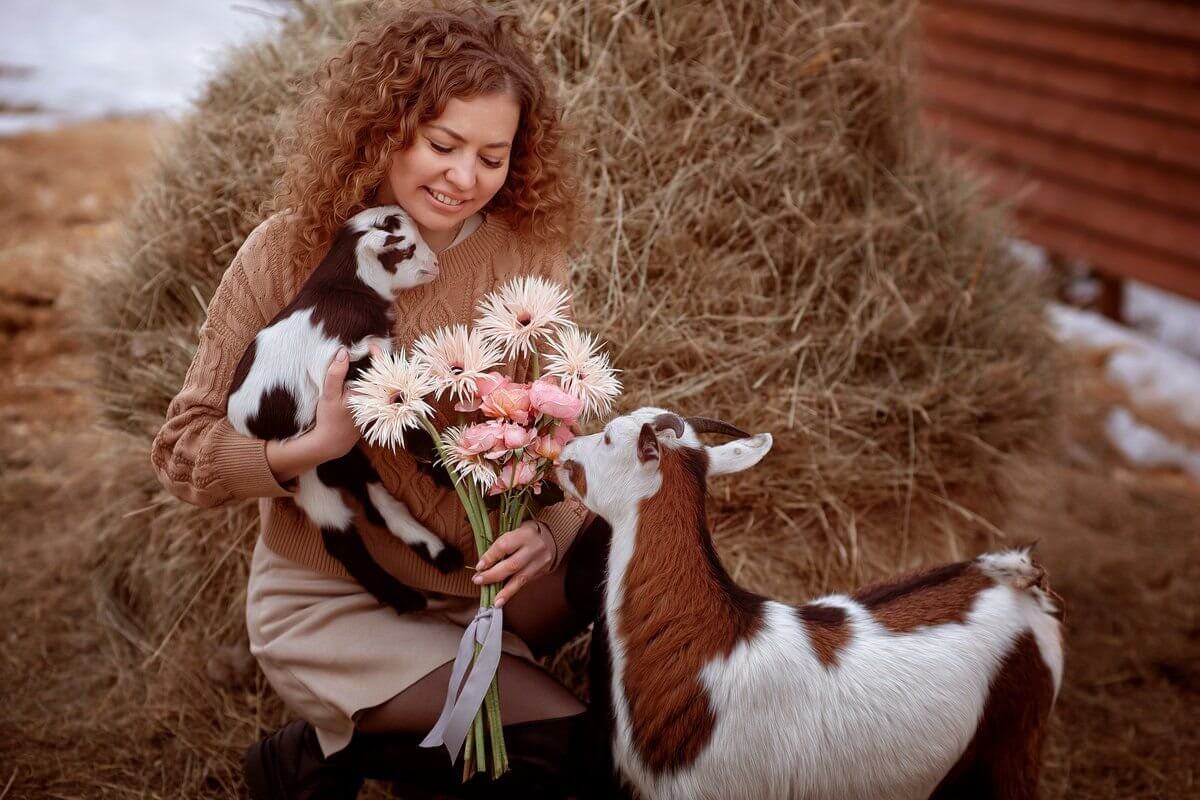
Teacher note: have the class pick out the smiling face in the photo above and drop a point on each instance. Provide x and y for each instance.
(455, 165)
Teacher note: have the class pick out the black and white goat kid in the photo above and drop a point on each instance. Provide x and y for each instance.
(348, 301)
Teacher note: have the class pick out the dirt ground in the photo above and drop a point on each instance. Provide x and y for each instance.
(1120, 545)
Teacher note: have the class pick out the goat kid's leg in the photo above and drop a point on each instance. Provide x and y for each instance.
(325, 506)
(354, 473)
(402, 524)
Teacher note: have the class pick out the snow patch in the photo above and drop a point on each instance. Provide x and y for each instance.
(71, 60)
(1145, 446)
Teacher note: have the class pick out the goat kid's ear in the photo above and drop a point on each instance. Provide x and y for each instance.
(739, 454)
(647, 444)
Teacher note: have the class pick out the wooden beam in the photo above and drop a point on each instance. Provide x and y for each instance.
(1028, 33)
(1105, 170)
(1168, 144)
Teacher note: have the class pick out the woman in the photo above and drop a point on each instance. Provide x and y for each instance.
(442, 112)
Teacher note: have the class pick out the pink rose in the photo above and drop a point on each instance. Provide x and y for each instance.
(490, 382)
(563, 434)
(482, 437)
(547, 447)
(545, 397)
(510, 401)
(515, 473)
(516, 436)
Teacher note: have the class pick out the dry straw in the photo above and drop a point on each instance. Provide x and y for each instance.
(772, 244)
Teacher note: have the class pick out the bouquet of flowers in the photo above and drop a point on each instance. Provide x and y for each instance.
(508, 438)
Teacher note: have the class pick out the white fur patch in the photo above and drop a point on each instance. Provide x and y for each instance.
(401, 523)
(886, 722)
(294, 354)
(323, 504)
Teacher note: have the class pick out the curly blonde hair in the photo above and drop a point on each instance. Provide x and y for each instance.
(397, 73)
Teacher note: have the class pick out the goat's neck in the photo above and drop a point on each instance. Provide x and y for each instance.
(664, 571)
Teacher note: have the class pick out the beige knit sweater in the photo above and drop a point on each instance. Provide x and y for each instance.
(201, 459)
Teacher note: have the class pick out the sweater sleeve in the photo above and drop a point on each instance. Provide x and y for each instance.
(566, 518)
(197, 454)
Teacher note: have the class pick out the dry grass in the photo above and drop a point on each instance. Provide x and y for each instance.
(772, 244)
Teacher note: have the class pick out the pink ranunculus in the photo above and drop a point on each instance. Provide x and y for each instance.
(563, 434)
(547, 447)
(517, 436)
(488, 383)
(510, 401)
(482, 437)
(545, 397)
(514, 473)
(468, 405)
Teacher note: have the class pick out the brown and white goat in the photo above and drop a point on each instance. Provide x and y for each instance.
(348, 301)
(936, 684)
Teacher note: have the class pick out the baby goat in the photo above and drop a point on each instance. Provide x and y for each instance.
(348, 301)
(936, 684)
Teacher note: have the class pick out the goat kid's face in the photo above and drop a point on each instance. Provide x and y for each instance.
(390, 253)
(612, 471)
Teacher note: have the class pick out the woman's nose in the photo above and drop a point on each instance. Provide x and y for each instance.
(462, 176)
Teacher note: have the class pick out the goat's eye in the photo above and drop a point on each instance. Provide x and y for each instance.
(606, 439)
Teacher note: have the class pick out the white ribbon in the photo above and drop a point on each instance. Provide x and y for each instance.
(465, 693)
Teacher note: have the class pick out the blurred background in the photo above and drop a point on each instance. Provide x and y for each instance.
(1078, 119)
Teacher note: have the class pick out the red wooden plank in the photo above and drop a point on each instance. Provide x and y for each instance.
(1147, 17)
(1104, 169)
(1169, 144)
(1166, 59)
(1112, 256)
(1174, 236)
(1105, 87)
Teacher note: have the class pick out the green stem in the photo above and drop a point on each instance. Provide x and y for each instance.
(537, 365)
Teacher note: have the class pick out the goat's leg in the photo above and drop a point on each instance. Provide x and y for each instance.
(354, 473)
(325, 506)
(401, 523)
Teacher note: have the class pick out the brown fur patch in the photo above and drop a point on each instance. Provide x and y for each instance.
(680, 610)
(1003, 759)
(276, 415)
(577, 475)
(827, 630)
(933, 597)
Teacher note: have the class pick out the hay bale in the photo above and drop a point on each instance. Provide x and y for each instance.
(773, 245)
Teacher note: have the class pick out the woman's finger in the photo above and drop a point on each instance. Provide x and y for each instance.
(506, 568)
(514, 585)
(506, 545)
(335, 376)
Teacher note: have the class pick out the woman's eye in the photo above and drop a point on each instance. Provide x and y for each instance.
(492, 164)
(439, 148)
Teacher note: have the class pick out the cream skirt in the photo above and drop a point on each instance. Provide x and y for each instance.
(331, 650)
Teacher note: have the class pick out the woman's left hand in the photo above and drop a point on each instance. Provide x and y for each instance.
(522, 555)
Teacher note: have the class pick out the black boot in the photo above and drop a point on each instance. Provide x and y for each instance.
(289, 765)
(544, 760)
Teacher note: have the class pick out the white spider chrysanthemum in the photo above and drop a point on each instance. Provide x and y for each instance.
(454, 358)
(389, 398)
(522, 313)
(584, 371)
(474, 466)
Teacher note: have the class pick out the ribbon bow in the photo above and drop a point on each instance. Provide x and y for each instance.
(465, 693)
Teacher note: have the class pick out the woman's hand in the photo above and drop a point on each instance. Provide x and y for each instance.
(333, 433)
(521, 555)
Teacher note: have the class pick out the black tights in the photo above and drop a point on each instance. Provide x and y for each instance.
(546, 614)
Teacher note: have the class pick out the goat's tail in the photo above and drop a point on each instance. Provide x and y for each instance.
(1017, 568)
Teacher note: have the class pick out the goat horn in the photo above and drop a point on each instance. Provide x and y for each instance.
(671, 422)
(708, 425)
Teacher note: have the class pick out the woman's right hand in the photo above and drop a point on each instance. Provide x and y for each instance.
(333, 433)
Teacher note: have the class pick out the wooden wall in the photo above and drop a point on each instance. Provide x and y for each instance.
(1090, 109)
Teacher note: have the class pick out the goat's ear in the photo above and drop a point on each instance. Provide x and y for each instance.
(647, 444)
(739, 454)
